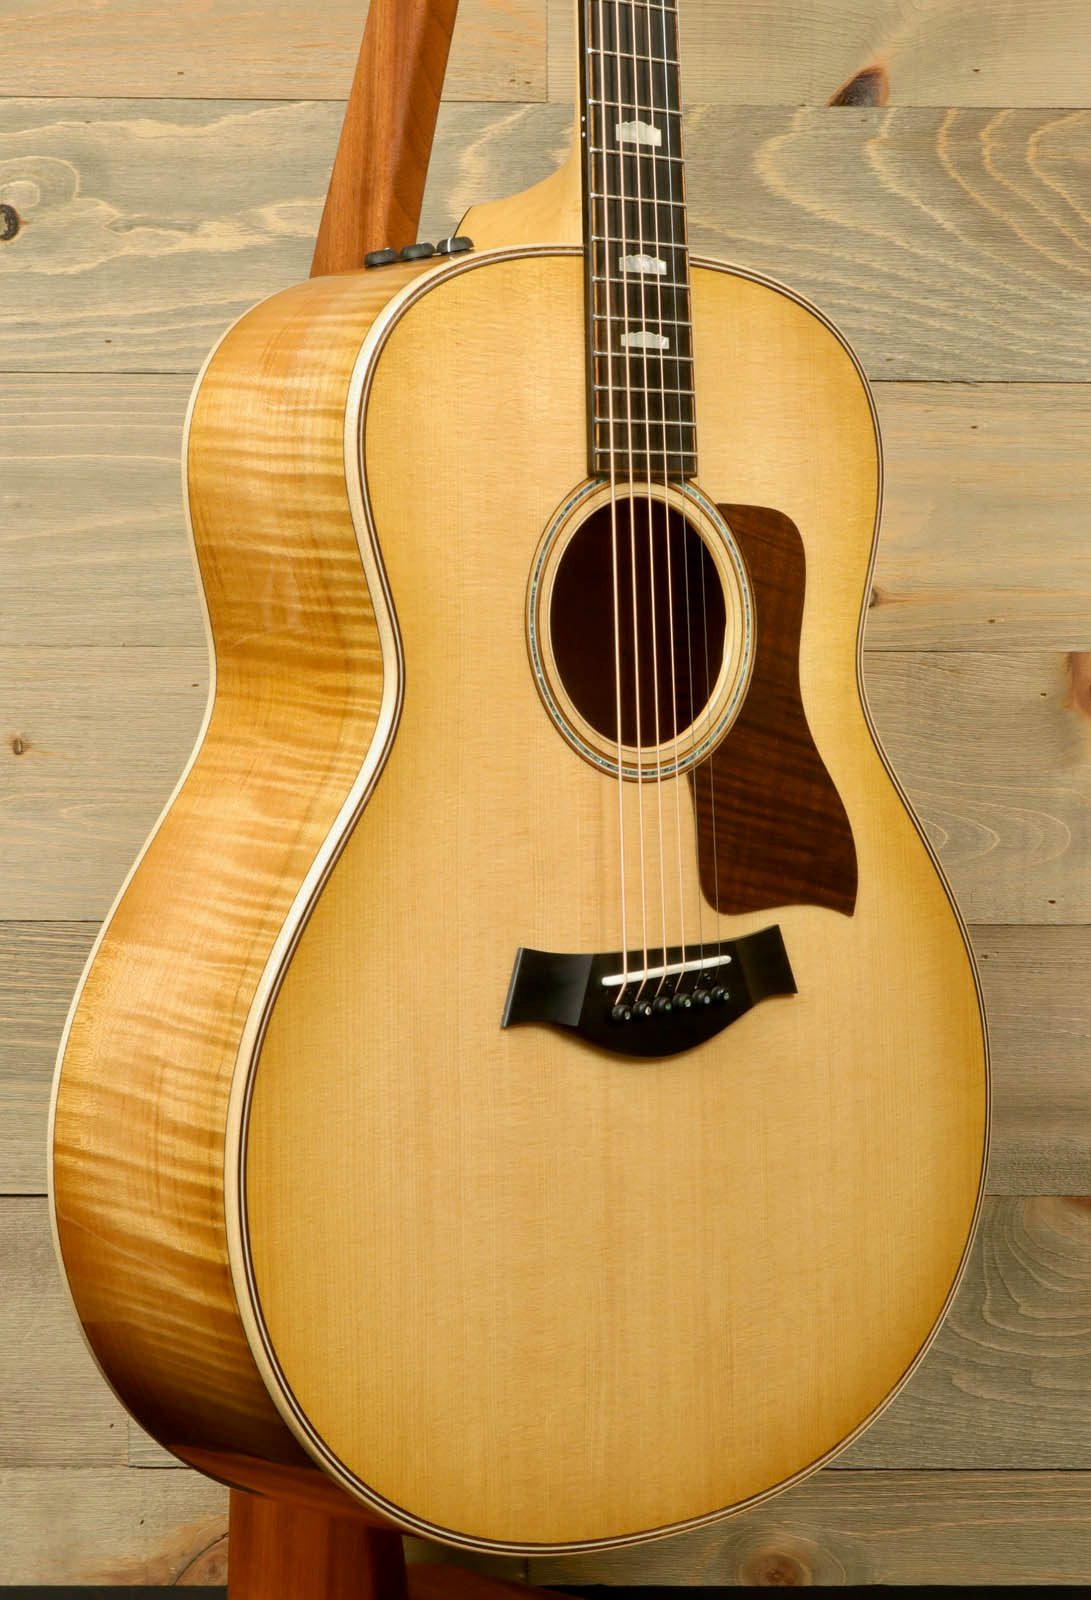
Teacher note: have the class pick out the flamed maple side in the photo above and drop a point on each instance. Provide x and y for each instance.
(503, 1289)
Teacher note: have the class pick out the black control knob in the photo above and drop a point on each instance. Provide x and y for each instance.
(455, 246)
(418, 252)
(381, 258)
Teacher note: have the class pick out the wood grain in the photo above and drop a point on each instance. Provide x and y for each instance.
(1009, 1379)
(1038, 1004)
(983, 543)
(1039, 1007)
(40, 964)
(283, 1547)
(1005, 1386)
(771, 826)
(298, 686)
(948, 245)
(1007, 810)
(845, 1528)
(228, 49)
(93, 541)
(103, 1526)
(57, 1410)
(77, 802)
(96, 1525)
(948, 52)
(742, 52)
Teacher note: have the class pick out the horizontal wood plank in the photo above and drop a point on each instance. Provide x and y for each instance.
(1007, 1382)
(40, 964)
(102, 1526)
(992, 748)
(947, 52)
(734, 52)
(93, 542)
(903, 1528)
(230, 49)
(948, 245)
(995, 756)
(984, 541)
(1005, 1385)
(57, 1410)
(1036, 995)
(92, 747)
(983, 544)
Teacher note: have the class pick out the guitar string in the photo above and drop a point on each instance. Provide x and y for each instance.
(709, 762)
(626, 347)
(663, 55)
(699, 716)
(605, 229)
(641, 251)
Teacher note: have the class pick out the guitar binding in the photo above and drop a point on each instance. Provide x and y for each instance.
(678, 1000)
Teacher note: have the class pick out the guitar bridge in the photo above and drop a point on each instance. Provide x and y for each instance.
(654, 1003)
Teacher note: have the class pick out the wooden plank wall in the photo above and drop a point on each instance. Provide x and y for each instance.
(167, 167)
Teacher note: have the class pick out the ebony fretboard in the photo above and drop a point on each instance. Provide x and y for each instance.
(640, 335)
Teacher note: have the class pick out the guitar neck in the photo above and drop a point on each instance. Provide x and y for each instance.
(639, 329)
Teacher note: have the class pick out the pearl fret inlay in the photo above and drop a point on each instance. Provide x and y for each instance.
(642, 264)
(638, 133)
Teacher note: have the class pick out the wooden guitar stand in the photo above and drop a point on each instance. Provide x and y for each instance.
(292, 1550)
(323, 1547)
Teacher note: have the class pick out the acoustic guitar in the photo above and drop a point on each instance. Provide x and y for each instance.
(535, 1070)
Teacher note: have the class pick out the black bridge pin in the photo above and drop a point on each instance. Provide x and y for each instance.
(621, 1013)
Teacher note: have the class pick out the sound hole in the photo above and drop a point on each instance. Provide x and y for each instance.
(667, 577)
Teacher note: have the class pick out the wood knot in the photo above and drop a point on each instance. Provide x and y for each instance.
(18, 744)
(775, 1569)
(10, 222)
(1078, 669)
(209, 1567)
(870, 87)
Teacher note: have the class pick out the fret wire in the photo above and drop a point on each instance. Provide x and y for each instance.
(687, 394)
(667, 322)
(630, 105)
(634, 200)
(636, 355)
(640, 279)
(649, 152)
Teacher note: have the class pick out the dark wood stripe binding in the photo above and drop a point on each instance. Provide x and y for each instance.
(771, 828)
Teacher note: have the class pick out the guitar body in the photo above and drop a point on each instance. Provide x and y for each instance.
(509, 1287)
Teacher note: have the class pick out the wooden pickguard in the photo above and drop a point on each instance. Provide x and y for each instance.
(771, 827)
